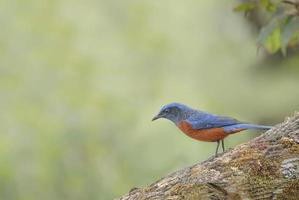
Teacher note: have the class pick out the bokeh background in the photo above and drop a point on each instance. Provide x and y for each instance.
(81, 80)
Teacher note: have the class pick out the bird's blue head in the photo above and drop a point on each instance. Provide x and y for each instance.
(174, 112)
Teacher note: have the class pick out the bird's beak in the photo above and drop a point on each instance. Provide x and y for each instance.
(156, 117)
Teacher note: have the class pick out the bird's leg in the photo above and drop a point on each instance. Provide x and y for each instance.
(218, 142)
(222, 144)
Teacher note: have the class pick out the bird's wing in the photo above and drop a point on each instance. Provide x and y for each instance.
(201, 120)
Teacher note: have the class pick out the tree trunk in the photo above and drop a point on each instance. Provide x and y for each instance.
(266, 167)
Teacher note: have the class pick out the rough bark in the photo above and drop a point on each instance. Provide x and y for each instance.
(266, 167)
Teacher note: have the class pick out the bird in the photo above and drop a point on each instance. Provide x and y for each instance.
(204, 126)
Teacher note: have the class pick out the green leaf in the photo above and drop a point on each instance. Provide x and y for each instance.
(267, 30)
(272, 43)
(269, 36)
(268, 5)
(264, 2)
(288, 31)
(244, 7)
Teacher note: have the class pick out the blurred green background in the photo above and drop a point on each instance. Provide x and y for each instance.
(81, 80)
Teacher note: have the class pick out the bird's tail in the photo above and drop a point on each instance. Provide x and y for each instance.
(254, 126)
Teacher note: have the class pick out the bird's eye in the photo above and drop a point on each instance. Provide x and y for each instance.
(166, 110)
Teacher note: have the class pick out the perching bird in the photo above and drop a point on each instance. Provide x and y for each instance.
(204, 126)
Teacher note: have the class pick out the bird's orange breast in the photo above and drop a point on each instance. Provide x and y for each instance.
(208, 135)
